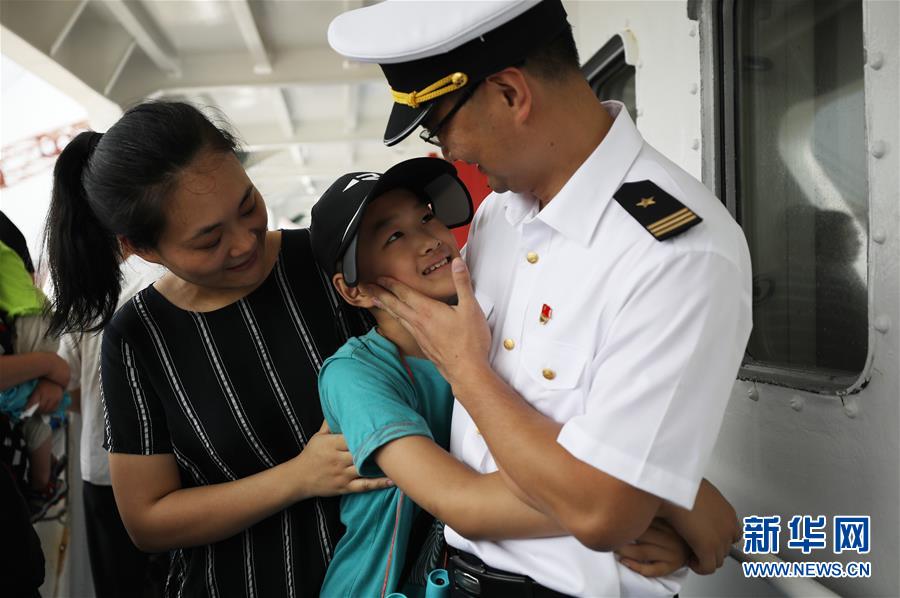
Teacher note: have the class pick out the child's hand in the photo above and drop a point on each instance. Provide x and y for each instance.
(658, 551)
(46, 395)
(710, 528)
(326, 468)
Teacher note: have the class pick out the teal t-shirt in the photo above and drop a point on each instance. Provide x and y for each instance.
(368, 396)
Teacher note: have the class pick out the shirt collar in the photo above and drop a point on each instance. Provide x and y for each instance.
(575, 211)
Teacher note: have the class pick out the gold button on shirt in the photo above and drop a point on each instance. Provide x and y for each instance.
(509, 344)
(532, 257)
(549, 374)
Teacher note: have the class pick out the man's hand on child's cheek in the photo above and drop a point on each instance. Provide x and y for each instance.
(452, 337)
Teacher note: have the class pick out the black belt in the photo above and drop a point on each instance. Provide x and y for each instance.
(471, 578)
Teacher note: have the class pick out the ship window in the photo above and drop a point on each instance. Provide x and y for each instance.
(794, 172)
(610, 76)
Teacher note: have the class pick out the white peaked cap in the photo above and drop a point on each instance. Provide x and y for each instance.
(428, 49)
(404, 30)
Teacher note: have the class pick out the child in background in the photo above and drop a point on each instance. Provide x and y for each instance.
(389, 401)
(33, 377)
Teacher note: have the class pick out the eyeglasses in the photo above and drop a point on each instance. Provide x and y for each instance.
(432, 136)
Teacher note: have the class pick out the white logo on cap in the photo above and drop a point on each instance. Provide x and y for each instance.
(368, 176)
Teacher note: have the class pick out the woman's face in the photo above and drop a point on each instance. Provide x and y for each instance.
(215, 226)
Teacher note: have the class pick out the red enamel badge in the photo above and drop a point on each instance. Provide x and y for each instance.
(546, 313)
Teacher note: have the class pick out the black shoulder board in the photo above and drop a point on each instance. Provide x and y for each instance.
(661, 214)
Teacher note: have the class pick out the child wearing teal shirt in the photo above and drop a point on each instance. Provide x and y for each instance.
(369, 396)
(390, 403)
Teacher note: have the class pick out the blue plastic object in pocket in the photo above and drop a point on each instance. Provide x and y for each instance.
(438, 584)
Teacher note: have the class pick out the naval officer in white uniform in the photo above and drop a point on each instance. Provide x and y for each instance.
(611, 305)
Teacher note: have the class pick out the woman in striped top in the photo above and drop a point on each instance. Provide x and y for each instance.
(209, 375)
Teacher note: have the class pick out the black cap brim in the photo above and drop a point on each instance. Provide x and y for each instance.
(404, 120)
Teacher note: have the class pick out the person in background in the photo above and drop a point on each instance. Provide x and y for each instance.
(118, 567)
(33, 376)
(21, 557)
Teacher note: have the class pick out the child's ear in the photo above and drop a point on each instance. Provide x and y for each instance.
(352, 295)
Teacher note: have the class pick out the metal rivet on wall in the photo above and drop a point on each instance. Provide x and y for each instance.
(879, 149)
(882, 324)
(876, 60)
(851, 407)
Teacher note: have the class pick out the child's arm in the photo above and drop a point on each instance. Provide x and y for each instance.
(661, 550)
(475, 505)
(483, 507)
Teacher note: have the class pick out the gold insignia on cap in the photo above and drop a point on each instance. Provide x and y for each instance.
(646, 202)
(435, 90)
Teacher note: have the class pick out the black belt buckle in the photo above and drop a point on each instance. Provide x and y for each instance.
(476, 579)
(466, 576)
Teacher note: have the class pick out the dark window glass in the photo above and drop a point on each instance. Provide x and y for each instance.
(799, 177)
(610, 76)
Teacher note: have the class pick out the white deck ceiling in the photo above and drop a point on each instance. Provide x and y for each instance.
(305, 114)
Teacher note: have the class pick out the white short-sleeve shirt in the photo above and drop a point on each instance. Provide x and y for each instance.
(82, 353)
(637, 358)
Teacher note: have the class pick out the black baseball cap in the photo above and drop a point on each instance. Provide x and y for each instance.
(338, 213)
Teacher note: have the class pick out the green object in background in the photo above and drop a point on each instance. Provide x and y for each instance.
(18, 295)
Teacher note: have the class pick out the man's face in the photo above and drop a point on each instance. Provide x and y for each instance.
(400, 237)
(475, 135)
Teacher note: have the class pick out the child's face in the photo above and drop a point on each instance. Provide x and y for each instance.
(400, 237)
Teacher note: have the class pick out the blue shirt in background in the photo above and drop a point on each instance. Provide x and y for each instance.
(368, 396)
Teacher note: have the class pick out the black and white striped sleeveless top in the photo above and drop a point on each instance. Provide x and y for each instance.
(230, 393)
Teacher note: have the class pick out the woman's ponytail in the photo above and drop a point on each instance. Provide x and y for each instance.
(83, 254)
(112, 186)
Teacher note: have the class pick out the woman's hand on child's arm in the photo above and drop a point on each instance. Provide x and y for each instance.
(710, 528)
(161, 515)
(658, 551)
(325, 468)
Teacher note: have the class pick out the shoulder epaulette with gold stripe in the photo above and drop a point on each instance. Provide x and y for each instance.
(661, 214)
